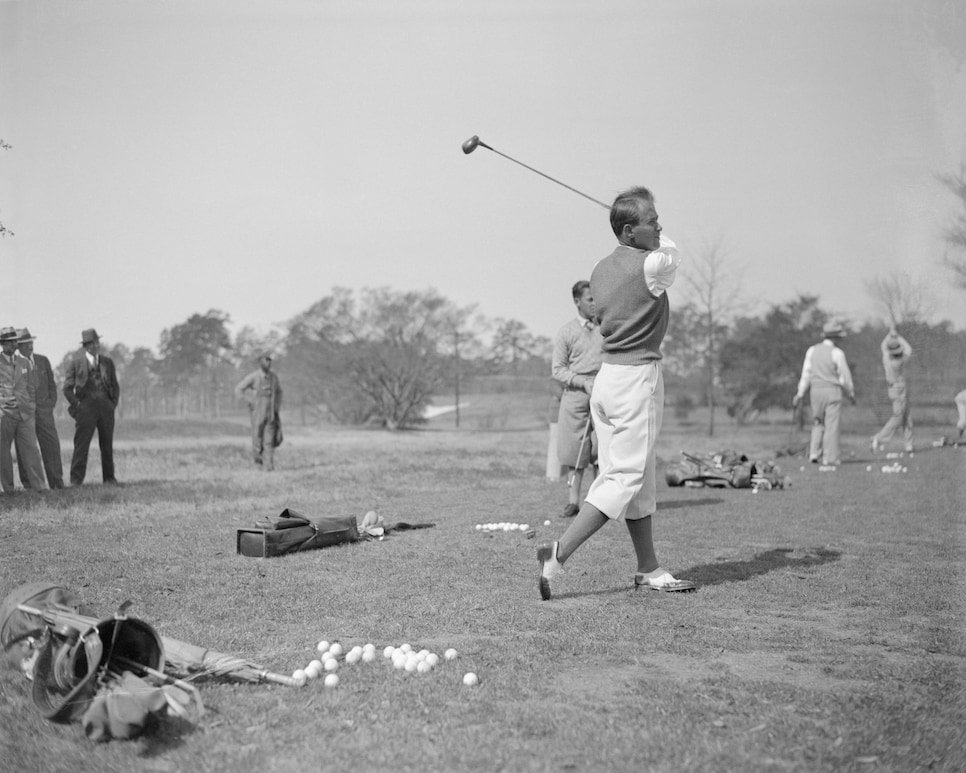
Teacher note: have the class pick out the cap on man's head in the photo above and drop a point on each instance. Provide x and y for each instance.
(264, 356)
(89, 336)
(833, 330)
(8, 334)
(24, 337)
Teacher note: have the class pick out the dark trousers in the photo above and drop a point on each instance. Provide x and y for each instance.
(94, 412)
(49, 443)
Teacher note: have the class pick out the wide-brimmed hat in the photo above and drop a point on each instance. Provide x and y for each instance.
(833, 330)
(89, 336)
(23, 336)
(8, 334)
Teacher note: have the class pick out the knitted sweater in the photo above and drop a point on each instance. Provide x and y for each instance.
(632, 319)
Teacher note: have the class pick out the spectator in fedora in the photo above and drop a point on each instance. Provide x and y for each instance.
(827, 378)
(262, 391)
(17, 407)
(46, 399)
(91, 388)
(896, 352)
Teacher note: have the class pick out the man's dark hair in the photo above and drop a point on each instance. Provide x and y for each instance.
(578, 289)
(629, 207)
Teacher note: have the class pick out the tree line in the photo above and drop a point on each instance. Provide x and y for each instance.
(381, 356)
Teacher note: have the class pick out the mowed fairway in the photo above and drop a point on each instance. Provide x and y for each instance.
(827, 634)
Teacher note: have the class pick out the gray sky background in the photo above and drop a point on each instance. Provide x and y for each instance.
(171, 157)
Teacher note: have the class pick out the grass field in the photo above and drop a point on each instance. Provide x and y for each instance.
(827, 634)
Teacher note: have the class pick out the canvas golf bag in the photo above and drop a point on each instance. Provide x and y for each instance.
(83, 667)
(725, 469)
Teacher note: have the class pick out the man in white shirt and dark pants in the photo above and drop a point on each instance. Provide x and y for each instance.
(826, 375)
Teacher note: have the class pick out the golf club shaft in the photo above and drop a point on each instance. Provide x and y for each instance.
(552, 179)
(580, 452)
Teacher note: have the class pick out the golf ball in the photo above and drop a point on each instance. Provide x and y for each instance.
(387, 653)
(869, 468)
(450, 654)
(300, 677)
(470, 679)
(423, 667)
(368, 656)
(433, 659)
(331, 680)
(479, 527)
(547, 523)
(322, 646)
(336, 649)
(353, 657)
(331, 664)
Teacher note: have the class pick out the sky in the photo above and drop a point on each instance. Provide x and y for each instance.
(171, 157)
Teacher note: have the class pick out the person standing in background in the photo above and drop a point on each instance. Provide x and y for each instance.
(91, 388)
(46, 427)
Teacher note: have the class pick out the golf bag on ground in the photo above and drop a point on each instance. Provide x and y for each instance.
(83, 668)
(291, 532)
(725, 469)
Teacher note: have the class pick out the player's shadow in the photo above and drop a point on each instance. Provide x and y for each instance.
(762, 563)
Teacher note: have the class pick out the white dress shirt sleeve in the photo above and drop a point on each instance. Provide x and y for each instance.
(661, 265)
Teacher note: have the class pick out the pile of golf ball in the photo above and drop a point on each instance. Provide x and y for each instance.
(504, 526)
(404, 657)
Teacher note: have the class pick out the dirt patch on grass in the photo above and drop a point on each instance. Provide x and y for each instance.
(749, 667)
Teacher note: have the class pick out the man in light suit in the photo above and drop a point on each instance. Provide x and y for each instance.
(91, 388)
(17, 407)
(47, 436)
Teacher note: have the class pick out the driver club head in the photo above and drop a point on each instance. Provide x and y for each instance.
(471, 144)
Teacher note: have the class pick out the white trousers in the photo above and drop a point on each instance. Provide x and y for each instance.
(627, 405)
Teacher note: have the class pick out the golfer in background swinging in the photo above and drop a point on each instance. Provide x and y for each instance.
(576, 360)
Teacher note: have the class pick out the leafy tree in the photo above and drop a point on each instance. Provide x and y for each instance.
(379, 357)
(761, 362)
(516, 348)
(194, 359)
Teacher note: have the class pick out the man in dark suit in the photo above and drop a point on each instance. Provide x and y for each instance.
(47, 436)
(91, 388)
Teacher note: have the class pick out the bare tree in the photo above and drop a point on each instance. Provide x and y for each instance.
(955, 235)
(4, 231)
(713, 287)
(901, 298)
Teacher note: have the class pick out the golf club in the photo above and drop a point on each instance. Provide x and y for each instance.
(474, 142)
(580, 452)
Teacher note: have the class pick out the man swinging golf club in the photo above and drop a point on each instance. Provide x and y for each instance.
(627, 400)
(576, 360)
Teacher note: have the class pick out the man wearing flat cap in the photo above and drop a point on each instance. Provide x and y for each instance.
(896, 352)
(46, 428)
(262, 391)
(826, 376)
(17, 410)
(91, 388)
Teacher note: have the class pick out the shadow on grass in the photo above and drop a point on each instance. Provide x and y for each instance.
(165, 734)
(762, 563)
(674, 504)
